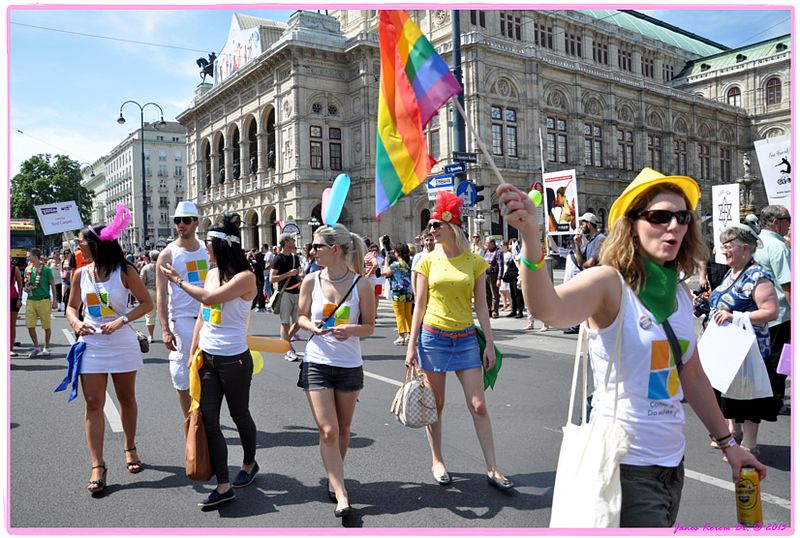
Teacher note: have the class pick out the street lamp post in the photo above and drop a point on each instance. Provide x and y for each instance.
(161, 123)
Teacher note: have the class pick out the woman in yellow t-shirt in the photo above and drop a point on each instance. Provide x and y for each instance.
(443, 335)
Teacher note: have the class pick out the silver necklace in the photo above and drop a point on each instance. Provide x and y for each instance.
(336, 280)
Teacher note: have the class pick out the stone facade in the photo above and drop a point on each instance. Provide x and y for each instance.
(266, 141)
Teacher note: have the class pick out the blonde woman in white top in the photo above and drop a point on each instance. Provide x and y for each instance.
(221, 333)
(331, 373)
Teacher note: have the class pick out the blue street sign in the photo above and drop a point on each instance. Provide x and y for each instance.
(466, 191)
(441, 181)
(455, 168)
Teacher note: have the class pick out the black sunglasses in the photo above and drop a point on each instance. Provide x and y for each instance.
(662, 216)
(317, 246)
(185, 220)
(434, 225)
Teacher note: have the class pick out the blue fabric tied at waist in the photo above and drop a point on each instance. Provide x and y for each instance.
(74, 359)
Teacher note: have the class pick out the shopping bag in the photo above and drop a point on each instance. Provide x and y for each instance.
(751, 380)
(198, 460)
(785, 362)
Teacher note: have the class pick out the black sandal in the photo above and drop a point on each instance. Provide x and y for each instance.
(134, 466)
(97, 486)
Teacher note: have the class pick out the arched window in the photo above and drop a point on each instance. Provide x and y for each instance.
(773, 91)
(735, 96)
(424, 217)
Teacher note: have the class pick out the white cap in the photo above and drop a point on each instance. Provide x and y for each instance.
(186, 209)
(589, 217)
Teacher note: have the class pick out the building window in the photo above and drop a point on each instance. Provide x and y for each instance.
(335, 133)
(333, 110)
(625, 149)
(162, 155)
(433, 137)
(557, 147)
(735, 96)
(648, 67)
(680, 156)
(178, 170)
(146, 154)
(335, 155)
(477, 18)
(600, 53)
(592, 145)
(160, 138)
(573, 45)
(773, 91)
(511, 140)
(176, 139)
(163, 201)
(510, 26)
(725, 164)
(625, 60)
(543, 35)
(316, 155)
(704, 155)
(316, 108)
(654, 151)
(315, 131)
(178, 156)
(497, 139)
(504, 131)
(667, 72)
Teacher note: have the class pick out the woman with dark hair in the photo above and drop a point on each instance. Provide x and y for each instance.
(638, 296)
(227, 367)
(106, 331)
(397, 270)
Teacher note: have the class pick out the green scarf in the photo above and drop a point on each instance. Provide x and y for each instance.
(658, 291)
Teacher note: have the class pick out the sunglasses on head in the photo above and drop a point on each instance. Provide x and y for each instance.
(663, 216)
(185, 220)
(434, 225)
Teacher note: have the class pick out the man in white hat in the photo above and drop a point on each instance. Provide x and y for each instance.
(177, 311)
(588, 241)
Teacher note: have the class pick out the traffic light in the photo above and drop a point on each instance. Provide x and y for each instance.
(479, 198)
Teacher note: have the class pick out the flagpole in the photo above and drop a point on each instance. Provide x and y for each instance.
(477, 139)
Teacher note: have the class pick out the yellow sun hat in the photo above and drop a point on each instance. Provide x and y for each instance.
(646, 179)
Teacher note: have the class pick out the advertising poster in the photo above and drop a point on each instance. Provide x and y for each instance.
(561, 202)
(776, 171)
(59, 217)
(725, 211)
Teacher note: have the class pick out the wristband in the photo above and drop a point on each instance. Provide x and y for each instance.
(529, 265)
(726, 442)
(179, 282)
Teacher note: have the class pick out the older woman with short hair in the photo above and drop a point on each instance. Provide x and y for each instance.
(746, 290)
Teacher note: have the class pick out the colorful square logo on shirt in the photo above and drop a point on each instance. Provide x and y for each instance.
(212, 314)
(196, 271)
(342, 316)
(664, 381)
(96, 307)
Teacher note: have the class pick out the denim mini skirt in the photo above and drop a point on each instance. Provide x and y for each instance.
(448, 351)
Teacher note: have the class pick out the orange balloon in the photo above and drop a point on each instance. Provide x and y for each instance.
(269, 345)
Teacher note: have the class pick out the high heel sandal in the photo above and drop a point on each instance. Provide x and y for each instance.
(134, 466)
(97, 486)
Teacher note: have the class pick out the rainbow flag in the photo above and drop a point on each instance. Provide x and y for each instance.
(415, 83)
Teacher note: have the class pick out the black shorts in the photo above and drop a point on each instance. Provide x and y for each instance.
(315, 376)
(15, 306)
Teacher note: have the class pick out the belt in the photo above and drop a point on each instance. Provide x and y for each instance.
(450, 334)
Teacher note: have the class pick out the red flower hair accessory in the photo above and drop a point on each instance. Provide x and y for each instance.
(448, 208)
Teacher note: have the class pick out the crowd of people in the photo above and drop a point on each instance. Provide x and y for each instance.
(204, 292)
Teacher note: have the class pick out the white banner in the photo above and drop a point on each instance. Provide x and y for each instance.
(773, 159)
(725, 211)
(59, 217)
(561, 202)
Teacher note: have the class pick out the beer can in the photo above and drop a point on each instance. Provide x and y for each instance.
(748, 498)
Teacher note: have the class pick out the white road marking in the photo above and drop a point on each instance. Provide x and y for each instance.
(384, 379)
(110, 410)
(727, 484)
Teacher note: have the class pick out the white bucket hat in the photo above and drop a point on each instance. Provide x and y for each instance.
(186, 209)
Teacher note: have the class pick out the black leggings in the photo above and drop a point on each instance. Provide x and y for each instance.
(227, 376)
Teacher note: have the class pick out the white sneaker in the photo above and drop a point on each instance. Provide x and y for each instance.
(291, 355)
(149, 339)
(45, 352)
(34, 352)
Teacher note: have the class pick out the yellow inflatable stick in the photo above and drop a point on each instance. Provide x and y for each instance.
(258, 361)
(269, 345)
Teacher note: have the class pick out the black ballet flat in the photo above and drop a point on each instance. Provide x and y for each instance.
(344, 512)
(502, 485)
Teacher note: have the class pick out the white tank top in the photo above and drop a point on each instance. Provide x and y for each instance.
(650, 391)
(224, 330)
(325, 348)
(192, 266)
(96, 296)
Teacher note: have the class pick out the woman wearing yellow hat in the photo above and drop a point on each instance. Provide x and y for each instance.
(654, 237)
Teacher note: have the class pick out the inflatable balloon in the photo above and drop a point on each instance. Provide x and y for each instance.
(326, 198)
(536, 197)
(336, 202)
(269, 345)
(258, 361)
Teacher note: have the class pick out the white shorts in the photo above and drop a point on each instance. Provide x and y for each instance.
(183, 329)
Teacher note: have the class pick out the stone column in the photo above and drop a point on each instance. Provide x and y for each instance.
(213, 157)
(244, 159)
(228, 163)
(261, 142)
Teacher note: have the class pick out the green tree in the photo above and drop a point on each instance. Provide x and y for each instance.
(44, 179)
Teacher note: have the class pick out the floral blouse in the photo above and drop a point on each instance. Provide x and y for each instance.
(400, 282)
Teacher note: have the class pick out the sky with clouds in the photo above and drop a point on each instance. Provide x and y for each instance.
(66, 87)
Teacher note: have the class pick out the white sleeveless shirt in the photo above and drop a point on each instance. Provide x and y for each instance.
(325, 348)
(650, 391)
(192, 266)
(108, 353)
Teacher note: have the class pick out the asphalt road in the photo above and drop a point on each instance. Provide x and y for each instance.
(387, 468)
